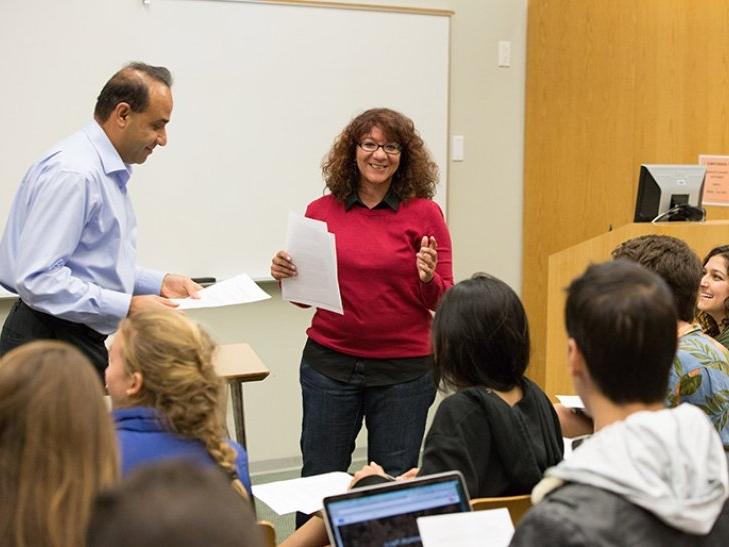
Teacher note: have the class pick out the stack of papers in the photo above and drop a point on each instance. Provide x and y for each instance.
(314, 252)
(237, 290)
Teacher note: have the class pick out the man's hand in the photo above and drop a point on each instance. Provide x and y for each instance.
(148, 302)
(179, 286)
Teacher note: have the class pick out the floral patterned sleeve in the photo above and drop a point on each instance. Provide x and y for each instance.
(700, 376)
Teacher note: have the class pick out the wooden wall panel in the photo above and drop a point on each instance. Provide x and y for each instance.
(610, 85)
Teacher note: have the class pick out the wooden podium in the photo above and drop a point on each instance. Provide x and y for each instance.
(571, 262)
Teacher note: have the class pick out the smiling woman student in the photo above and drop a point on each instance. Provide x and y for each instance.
(394, 264)
(713, 304)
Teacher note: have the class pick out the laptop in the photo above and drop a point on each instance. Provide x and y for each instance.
(385, 515)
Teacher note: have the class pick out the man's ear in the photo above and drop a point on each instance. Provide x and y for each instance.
(136, 386)
(575, 360)
(121, 114)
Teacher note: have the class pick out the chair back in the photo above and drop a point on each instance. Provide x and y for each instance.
(268, 533)
(517, 505)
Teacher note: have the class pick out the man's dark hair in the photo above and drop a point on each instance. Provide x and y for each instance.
(480, 335)
(173, 503)
(623, 319)
(671, 259)
(129, 85)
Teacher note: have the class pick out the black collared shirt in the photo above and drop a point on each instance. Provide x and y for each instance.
(390, 200)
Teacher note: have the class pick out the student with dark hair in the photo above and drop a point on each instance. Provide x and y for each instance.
(173, 503)
(69, 247)
(498, 428)
(649, 476)
(713, 303)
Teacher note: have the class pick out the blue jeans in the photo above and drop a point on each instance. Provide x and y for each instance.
(395, 416)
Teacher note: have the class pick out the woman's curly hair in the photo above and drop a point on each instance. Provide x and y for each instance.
(708, 324)
(416, 175)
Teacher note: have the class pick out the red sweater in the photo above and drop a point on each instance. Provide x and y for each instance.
(386, 306)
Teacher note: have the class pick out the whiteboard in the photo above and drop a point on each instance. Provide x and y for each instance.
(260, 92)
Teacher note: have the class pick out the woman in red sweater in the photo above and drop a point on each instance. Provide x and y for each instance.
(394, 263)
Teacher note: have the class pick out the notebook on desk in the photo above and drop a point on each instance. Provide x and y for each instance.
(385, 515)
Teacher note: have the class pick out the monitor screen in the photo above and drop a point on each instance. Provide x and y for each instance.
(669, 192)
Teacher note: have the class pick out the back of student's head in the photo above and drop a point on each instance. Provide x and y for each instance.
(674, 261)
(57, 445)
(623, 320)
(173, 503)
(480, 335)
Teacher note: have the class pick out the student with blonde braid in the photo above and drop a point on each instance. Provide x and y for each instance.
(167, 397)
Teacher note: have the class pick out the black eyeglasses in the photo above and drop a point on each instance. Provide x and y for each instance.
(391, 148)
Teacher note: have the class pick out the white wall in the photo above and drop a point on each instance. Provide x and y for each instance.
(484, 211)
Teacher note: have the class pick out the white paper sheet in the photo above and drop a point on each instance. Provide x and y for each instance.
(490, 528)
(314, 253)
(571, 401)
(240, 289)
(305, 494)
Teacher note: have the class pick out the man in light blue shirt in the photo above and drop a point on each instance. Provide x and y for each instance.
(69, 246)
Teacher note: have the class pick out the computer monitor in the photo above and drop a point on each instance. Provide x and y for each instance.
(670, 192)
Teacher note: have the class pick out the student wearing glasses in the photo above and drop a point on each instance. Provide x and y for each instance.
(394, 264)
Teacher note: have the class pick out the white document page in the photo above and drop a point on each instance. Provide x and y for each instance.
(305, 494)
(571, 401)
(490, 528)
(240, 289)
(314, 253)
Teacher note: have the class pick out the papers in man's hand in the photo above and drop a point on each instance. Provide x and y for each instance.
(491, 528)
(237, 290)
(571, 401)
(305, 494)
(314, 253)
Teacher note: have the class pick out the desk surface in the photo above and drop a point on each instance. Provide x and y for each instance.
(239, 362)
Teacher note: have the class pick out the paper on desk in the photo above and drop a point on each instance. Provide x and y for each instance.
(305, 494)
(571, 401)
(237, 290)
(314, 252)
(490, 528)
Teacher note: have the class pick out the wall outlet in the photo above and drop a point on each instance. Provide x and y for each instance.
(504, 53)
(457, 148)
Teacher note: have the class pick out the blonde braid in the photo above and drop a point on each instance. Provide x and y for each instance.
(175, 358)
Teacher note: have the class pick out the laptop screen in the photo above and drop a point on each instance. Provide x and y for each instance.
(385, 515)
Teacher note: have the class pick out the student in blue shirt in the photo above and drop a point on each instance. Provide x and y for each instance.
(69, 246)
(167, 397)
